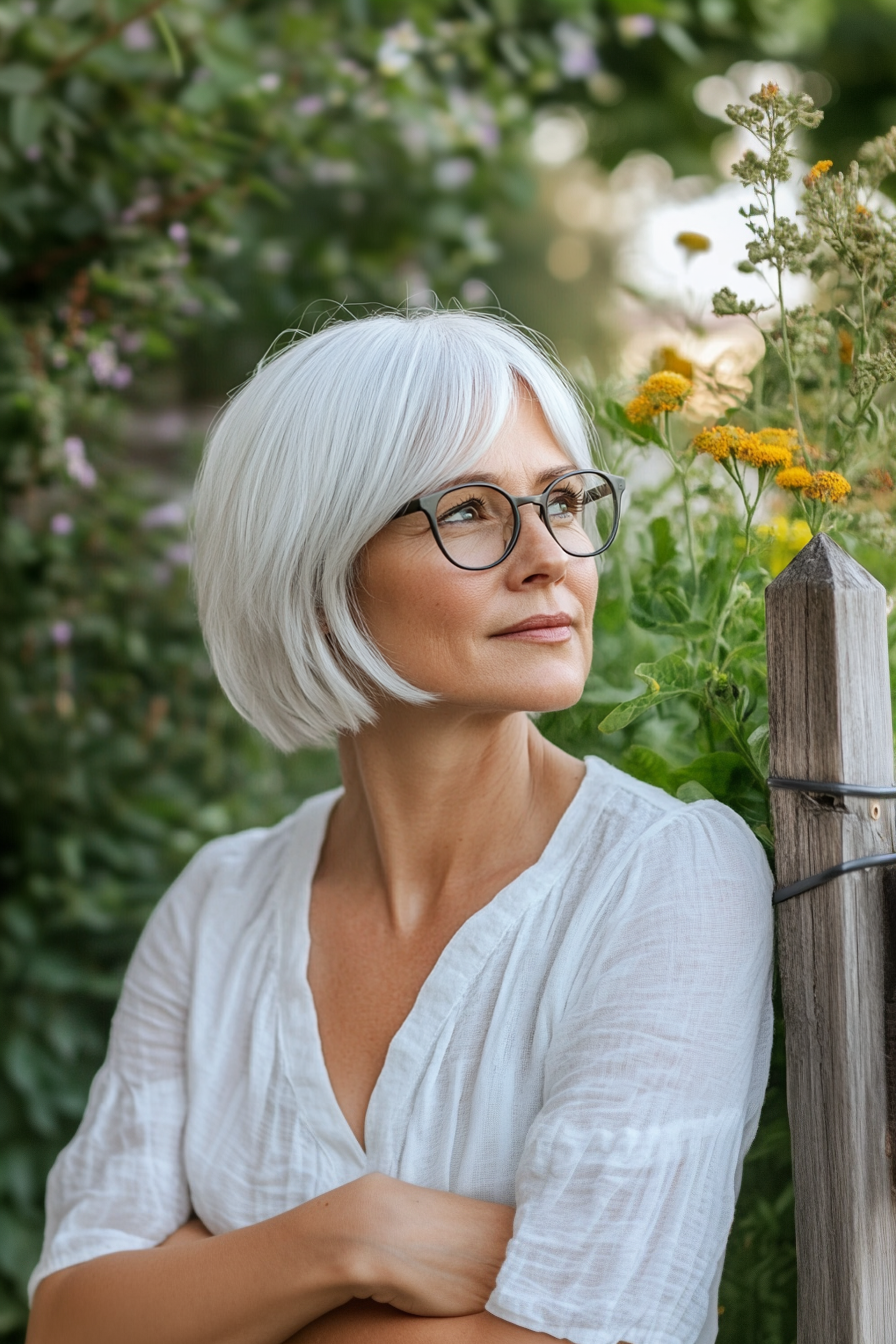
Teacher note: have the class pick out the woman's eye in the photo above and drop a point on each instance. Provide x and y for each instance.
(564, 505)
(462, 513)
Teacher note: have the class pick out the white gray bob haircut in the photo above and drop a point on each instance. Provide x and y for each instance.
(310, 458)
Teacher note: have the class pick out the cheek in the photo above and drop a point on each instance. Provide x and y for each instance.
(419, 609)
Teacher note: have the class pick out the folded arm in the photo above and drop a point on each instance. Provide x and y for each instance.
(373, 1323)
(410, 1249)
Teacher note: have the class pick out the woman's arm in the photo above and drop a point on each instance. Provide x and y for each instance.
(371, 1323)
(422, 1251)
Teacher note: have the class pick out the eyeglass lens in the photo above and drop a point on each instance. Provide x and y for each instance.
(476, 523)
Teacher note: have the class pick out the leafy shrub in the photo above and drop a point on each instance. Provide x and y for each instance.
(678, 696)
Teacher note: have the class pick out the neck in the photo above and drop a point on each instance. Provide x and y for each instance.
(441, 805)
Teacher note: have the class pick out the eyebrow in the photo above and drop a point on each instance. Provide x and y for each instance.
(541, 478)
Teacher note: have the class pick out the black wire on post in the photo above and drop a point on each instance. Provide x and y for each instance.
(850, 865)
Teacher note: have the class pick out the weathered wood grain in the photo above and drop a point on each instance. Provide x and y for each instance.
(829, 707)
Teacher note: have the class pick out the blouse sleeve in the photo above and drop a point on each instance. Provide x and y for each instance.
(120, 1185)
(655, 1077)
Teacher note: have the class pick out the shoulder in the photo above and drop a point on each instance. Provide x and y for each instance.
(227, 883)
(662, 853)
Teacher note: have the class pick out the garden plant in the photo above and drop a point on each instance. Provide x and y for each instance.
(680, 625)
(161, 168)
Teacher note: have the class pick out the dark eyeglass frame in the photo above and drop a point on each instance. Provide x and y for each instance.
(428, 505)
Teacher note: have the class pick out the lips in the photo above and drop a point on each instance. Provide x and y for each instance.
(546, 622)
(549, 628)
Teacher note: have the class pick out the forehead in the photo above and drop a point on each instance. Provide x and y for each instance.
(525, 452)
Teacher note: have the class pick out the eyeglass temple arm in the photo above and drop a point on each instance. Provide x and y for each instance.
(414, 506)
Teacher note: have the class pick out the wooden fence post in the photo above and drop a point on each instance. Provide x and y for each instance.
(830, 719)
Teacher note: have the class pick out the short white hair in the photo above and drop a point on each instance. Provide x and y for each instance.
(326, 441)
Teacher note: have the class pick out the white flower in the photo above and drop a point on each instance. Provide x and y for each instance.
(398, 47)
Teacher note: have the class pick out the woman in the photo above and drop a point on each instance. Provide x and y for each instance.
(471, 1050)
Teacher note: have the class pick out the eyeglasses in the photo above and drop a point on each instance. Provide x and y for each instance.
(477, 525)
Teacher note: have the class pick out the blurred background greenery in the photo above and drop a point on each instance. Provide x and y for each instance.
(179, 183)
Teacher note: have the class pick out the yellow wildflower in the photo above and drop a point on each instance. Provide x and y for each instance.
(755, 453)
(776, 530)
(794, 478)
(670, 361)
(786, 537)
(658, 393)
(829, 486)
(693, 242)
(720, 441)
(778, 438)
(818, 170)
(639, 410)
(847, 346)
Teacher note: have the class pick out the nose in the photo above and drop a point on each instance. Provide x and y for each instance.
(537, 556)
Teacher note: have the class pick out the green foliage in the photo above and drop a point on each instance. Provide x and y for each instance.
(682, 600)
(170, 176)
(148, 158)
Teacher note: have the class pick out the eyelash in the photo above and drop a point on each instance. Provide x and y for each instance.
(456, 508)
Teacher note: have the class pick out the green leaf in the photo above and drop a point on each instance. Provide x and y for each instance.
(70, 9)
(664, 547)
(19, 78)
(170, 41)
(648, 766)
(629, 710)
(691, 791)
(758, 744)
(667, 611)
(722, 774)
(615, 415)
(27, 119)
(670, 673)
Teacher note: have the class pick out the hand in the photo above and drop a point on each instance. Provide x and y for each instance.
(426, 1252)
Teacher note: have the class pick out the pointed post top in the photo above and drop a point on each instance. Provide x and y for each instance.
(823, 564)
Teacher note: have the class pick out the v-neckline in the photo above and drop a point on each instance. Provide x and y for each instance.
(456, 966)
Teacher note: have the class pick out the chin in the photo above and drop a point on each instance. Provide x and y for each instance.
(541, 698)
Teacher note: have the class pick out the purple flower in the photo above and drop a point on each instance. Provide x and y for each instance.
(33, 153)
(309, 106)
(76, 464)
(61, 633)
(121, 376)
(181, 553)
(269, 82)
(61, 524)
(578, 58)
(633, 26)
(171, 514)
(103, 362)
(138, 36)
(178, 232)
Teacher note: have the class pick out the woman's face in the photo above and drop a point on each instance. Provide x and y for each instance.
(456, 633)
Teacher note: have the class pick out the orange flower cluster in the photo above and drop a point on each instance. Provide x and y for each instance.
(818, 170)
(659, 393)
(764, 448)
(828, 486)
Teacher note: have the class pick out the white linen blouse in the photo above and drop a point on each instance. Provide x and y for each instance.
(592, 1047)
